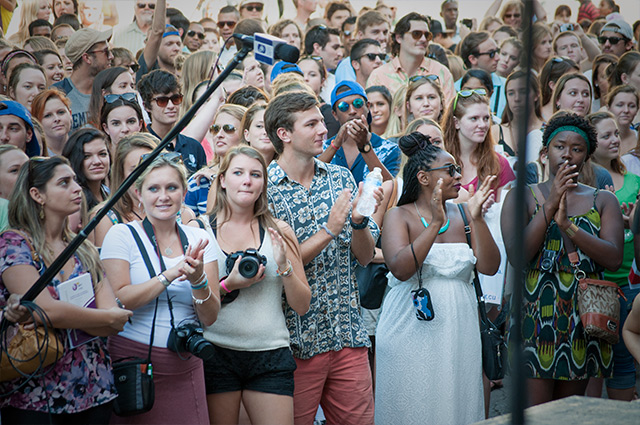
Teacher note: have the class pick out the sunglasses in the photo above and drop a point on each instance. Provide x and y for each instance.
(175, 157)
(514, 15)
(129, 97)
(491, 53)
(163, 101)
(467, 93)
(372, 56)
(192, 33)
(347, 33)
(357, 103)
(453, 169)
(417, 35)
(228, 128)
(133, 66)
(430, 77)
(151, 6)
(612, 40)
(230, 24)
(315, 58)
(106, 51)
(257, 8)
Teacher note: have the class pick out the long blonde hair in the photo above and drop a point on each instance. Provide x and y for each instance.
(196, 68)
(28, 12)
(24, 214)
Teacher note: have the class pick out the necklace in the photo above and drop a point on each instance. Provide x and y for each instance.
(425, 224)
(168, 251)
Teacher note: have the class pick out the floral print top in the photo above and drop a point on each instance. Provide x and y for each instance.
(81, 379)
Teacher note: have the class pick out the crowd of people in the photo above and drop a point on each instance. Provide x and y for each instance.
(245, 231)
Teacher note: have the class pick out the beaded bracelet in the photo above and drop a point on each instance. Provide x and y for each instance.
(286, 272)
(201, 286)
(199, 301)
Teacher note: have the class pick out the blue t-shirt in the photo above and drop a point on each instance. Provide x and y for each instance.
(192, 152)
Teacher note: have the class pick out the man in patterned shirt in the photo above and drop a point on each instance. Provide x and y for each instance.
(330, 341)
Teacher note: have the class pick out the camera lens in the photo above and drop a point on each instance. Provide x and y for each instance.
(200, 347)
(248, 267)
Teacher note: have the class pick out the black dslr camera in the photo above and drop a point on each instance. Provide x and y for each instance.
(187, 338)
(249, 264)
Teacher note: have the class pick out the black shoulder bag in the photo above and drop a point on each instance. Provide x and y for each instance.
(133, 375)
(494, 347)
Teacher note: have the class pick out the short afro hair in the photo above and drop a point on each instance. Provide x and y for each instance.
(564, 118)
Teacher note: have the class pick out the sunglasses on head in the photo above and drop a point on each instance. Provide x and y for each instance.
(110, 98)
(612, 40)
(357, 103)
(430, 77)
(133, 66)
(417, 34)
(175, 157)
(192, 33)
(33, 161)
(228, 128)
(467, 93)
(151, 6)
(256, 7)
(230, 24)
(491, 53)
(453, 169)
(163, 101)
(372, 56)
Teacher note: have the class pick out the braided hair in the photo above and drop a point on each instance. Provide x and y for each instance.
(421, 153)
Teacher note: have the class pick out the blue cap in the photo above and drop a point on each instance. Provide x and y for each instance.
(354, 88)
(282, 67)
(9, 107)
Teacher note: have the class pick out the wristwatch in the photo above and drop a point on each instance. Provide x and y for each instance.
(357, 226)
(366, 148)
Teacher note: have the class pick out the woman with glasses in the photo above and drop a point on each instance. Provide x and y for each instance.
(427, 334)
(563, 216)
(121, 115)
(53, 109)
(180, 288)
(551, 72)
(424, 99)
(46, 193)
(467, 136)
(115, 80)
(225, 134)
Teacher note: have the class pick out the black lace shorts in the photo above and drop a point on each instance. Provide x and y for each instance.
(263, 371)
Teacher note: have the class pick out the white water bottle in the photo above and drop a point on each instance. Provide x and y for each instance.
(367, 203)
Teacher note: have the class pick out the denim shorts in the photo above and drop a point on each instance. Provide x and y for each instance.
(624, 369)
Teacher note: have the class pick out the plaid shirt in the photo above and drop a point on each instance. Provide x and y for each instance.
(392, 76)
(333, 321)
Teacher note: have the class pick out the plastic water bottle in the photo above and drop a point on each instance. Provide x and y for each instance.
(367, 203)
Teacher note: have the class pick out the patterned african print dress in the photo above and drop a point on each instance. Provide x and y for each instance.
(555, 344)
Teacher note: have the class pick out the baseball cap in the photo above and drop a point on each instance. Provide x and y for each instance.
(81, 41)
(282, 67)
(618, 26)
(9, 107)
(246, 2)
(353, 88)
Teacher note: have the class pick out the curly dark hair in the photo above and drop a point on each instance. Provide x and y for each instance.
(564, 118)
(421, 153)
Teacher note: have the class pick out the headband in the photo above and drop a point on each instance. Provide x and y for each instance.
(168, 33)
(573, 128)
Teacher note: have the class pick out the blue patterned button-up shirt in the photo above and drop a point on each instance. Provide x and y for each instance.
(333, 321)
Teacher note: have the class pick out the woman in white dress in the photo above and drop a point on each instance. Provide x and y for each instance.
(430, 371)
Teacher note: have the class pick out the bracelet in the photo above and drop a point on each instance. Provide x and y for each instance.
(224, 286)
(572, 230)
(333, 146)
(163, 279)
(544, 213)
(201, 286)
(286, 272)
(197, 284)
(356, 226)
(329, 232)
(199, 301)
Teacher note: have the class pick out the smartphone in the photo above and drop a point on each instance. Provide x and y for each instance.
(566, 27)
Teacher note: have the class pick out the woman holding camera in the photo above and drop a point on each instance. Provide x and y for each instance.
(181, 288)
(259, 258)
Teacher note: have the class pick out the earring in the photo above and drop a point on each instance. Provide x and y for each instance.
(41, 213)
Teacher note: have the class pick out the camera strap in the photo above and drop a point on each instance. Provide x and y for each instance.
(148, 229)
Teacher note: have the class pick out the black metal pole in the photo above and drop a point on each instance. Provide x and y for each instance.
(64, 256)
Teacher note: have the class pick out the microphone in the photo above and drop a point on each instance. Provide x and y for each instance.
(269, 49)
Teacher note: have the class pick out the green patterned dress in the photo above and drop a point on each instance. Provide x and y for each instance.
(555, 345)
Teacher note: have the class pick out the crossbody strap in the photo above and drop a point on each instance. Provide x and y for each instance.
(152, 274)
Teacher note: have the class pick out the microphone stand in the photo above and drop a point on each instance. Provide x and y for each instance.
(64, 256)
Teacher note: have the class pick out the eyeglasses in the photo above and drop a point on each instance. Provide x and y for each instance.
(430, 77)
(230, 24)
(491, 53)
(512, 15)
(192, 33)
(357, 103)
(453, 169)
(106, 51)
(315, 58)
(256, 7)
(612, 40)
(129, 97)
(133, 66)
(417, 35)
(163, 101)
(228, 128)
(467, 93)
(372, 56)
(151, 6)
(175, 157)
